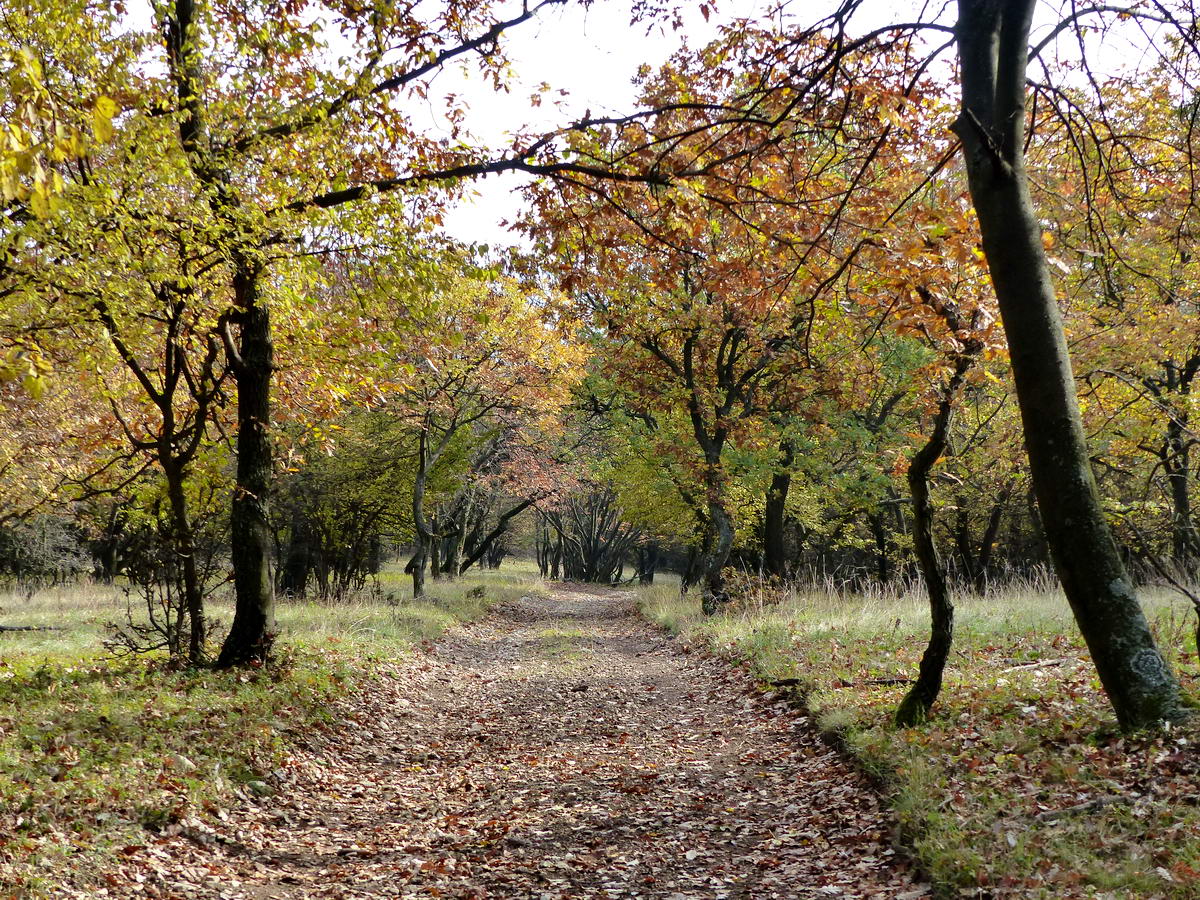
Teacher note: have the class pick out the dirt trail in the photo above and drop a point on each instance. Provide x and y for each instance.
(561, 748)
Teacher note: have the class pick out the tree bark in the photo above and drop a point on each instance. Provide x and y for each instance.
(720, 542)
(987, 544)
(416, 568)
(298, 560)
(185, 548)
(501, 526)
(647, 563)
(253, 631)
(993, 44)
(556, 558)
(924, 692)
(1177, 465)
(883, 561)
(435, 551)
(774, 553)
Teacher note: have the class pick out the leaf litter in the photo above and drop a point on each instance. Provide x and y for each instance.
(560, 748)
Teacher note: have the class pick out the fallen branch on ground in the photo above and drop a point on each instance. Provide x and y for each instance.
(1040, 664)
(1090, 806)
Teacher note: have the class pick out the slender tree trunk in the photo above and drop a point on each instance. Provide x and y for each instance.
(921, 696)
(774, 553)
(185, 547)
(435, 552)
(993, 45)
(424, 534)
(298, 560)
(883, 561)
(1178, 469)
(720, 542)
(963, 545)
(454, 550)
(556, 558)
(253, 631)
(485, 545)
(987, 544)
(416, 566)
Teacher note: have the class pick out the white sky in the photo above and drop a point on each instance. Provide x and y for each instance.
(593, 54)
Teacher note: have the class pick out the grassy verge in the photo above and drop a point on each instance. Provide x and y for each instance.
(94, 751)
(1019, 785)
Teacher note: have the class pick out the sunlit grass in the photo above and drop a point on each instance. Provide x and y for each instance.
(95, 750)
(992, 792)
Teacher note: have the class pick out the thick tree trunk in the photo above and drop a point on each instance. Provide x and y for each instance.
(774, 553)
(976, 564)
(921, 696)
(253, 629)
(495, 556)
(454, 548)
(963, 545)
(993, 43)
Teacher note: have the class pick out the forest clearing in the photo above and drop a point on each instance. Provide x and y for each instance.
(794, 496)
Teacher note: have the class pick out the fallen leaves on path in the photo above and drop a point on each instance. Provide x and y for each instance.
(558, 749)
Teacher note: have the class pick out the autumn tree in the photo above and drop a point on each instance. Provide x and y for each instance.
(994, 47)
(486, 359)
(709, 292)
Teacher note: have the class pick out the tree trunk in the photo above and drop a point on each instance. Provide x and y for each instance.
(253, 630)
(987, 544)
(963, 545)
(720, 542)
(1178, 468)
(993, 44)
(647, 563)
(424, 534)
(298, 559)
(185, 547)
(416, 566)
(883, 562)
(921, 696)
(435, 552)
(485, 545)
(774, 554)
(454, 549)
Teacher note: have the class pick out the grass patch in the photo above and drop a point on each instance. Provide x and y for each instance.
(1020, 784)
(96, 752)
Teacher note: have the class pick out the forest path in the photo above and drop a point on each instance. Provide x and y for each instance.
(561, 748)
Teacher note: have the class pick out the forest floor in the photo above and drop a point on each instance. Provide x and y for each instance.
(1019, 785)
(559, 748)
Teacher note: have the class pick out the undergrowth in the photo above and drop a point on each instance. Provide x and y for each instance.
(96, 752)
(1019, 785)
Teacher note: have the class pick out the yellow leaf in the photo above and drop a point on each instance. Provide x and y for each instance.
(106, 106)
(39, 202)
(102, 127)
(34, 385)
